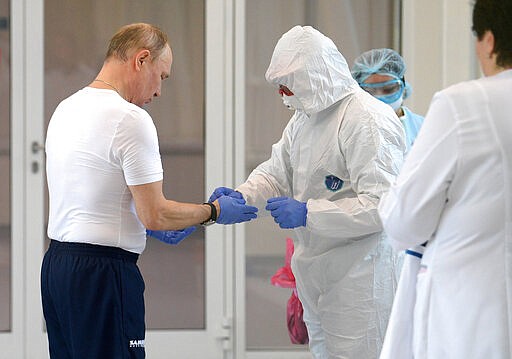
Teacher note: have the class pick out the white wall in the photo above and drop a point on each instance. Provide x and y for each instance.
(437, 46)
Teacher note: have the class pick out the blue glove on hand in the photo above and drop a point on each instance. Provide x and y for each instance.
(224, 191)
(171, 237)
(234, 210)
(287, 212)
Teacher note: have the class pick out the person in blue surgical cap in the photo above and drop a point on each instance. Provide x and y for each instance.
(380, 72)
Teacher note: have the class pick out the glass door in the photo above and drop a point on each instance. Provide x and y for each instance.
(354, 26)
(174, 276)
(183, 311)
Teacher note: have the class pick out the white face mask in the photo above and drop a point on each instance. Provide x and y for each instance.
(292, 102)
(396, 104)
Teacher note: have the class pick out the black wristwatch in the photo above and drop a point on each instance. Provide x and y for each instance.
(213, 215)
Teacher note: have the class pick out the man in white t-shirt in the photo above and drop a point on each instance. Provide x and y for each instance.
(105, 185)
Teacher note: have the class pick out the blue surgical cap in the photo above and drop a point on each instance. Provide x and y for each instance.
(380, 61)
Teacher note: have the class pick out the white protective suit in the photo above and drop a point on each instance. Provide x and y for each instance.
(339, 155)
(455, 190)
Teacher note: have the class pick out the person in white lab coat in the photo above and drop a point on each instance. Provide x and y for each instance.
(455, 190)
(338, 154)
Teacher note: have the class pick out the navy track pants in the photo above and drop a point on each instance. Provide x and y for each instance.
(93, 302)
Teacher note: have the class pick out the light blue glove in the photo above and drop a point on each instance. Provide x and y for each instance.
(224, 191)
(234, 210)
(287, 212)
(171, 237)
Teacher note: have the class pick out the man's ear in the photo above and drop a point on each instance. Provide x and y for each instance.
(141, 58)
(488, 40)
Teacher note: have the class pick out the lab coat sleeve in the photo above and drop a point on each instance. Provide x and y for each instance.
(412, 208)
(373, 148)
(272, 178)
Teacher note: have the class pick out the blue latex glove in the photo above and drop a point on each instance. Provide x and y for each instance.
(234, 210)
(224, 191)
(287, 212)
(171, 237)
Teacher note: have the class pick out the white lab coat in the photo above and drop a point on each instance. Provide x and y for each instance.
(398, 340)
(455, 190)
(339, 155)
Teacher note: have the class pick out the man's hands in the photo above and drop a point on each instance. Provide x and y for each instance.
(287, 212)
(171, 237)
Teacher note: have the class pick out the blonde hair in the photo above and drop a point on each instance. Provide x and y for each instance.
(136, 37)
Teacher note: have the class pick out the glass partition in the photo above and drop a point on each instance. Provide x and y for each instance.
(76, 38)
(355, 26)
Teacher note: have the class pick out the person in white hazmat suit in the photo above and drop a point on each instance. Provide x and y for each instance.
(337, 156)
(455, 190)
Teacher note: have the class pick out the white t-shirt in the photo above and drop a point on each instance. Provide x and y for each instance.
(97, 144)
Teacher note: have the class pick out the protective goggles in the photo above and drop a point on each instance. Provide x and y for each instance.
(388, 91)
(283, 90)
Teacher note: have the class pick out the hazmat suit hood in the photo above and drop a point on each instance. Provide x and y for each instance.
(310, 65)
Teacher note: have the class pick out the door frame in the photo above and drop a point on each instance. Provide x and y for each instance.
(34, 222)
(27, 336)
(12, 342)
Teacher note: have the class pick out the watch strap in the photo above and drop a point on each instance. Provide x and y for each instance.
(213, 215)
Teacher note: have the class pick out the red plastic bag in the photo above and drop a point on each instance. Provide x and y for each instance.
(284, 278)
(296, 326)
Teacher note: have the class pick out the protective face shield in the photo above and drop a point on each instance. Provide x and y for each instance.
(390, 92)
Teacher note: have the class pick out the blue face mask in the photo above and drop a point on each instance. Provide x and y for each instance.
(395, 105)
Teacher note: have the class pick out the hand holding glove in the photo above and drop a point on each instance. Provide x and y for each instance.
(234, 210)
(171, 237)
(224, 191)
(287, 212)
